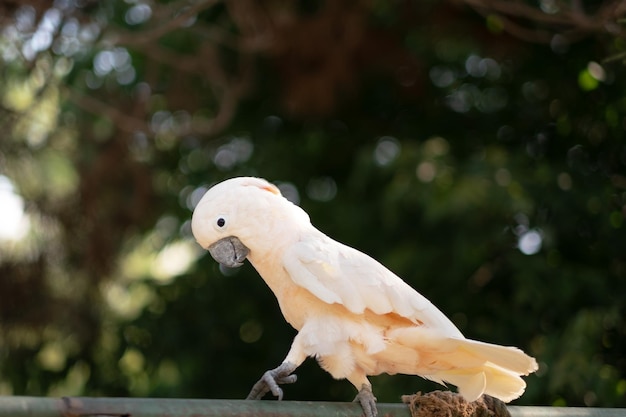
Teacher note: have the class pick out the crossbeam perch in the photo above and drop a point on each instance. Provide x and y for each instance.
(22, 406)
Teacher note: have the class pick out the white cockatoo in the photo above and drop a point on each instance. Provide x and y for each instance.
(356, 317)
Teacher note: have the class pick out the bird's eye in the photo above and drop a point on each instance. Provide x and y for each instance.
(220, 222)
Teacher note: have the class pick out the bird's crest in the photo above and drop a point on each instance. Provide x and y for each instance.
(262, 184)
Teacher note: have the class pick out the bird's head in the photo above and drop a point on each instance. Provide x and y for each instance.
(241, 215)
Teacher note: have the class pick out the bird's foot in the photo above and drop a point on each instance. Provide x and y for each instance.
(366, 398)
(271, 380)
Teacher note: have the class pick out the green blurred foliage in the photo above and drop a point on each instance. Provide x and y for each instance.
(487, 170)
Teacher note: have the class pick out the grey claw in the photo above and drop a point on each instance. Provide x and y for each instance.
(366, 398)
(271, 380)
(289, 379)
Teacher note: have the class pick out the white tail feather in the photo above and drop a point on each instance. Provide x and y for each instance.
(491, 380)
(507, 357)
(476, 368)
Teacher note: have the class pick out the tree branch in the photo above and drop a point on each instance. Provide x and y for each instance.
(570, 20)
(123, 37)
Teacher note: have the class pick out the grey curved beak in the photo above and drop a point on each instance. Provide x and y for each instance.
(229, 251)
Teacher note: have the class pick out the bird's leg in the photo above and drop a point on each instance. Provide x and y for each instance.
(271, 380)
(366, 398)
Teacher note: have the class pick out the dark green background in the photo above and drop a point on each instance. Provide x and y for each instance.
(422, 133)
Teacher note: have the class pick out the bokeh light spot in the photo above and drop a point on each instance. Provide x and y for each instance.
(251, 331)
(386, 151)
(14, 224)
(138, 14)
(530, 242)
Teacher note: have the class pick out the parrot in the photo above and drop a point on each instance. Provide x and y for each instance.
(351, 313)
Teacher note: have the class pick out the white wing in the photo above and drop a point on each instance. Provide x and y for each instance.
(336, 273)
